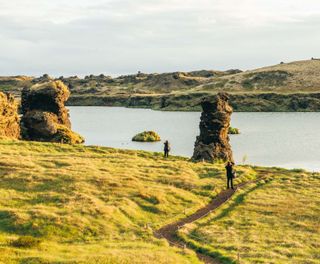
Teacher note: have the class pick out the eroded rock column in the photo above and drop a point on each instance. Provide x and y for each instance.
(213, 142)
(45, 117)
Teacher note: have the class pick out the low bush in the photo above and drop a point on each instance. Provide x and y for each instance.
(234, 131)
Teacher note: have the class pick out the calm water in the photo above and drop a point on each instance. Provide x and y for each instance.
(290, 140)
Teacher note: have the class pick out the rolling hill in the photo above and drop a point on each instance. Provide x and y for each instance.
(291, 86)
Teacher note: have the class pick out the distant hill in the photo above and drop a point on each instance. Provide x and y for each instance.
(300, 76)
(282, 87)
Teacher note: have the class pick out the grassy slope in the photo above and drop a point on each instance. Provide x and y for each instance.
(275, 221)
(97, 205)
(302, 76)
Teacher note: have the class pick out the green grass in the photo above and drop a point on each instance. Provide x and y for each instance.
(274, 221)
(97, 205)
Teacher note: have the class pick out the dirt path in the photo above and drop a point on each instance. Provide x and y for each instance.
(169, 231)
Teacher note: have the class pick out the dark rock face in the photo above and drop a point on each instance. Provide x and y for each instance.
(45, 117)
(44, 78)
(9, 118)
(213, 142)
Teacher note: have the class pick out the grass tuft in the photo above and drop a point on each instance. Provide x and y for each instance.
(26, 242)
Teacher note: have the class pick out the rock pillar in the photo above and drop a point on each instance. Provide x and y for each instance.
(213, 142)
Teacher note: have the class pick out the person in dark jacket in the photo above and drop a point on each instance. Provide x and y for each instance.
(166, 149)
(230, 174)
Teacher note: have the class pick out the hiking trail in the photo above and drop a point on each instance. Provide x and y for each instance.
(169, 231)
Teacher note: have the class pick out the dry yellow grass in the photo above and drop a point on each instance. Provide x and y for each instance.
(98, 205)
(101, 205)
(303, 76)
(275, 221)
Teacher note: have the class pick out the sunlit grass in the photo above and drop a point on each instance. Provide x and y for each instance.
(98, 205)
(274, 221)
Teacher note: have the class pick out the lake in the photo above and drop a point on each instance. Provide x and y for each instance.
(289, 140)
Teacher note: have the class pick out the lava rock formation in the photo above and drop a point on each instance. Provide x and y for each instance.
(213, 142)
(45, 117)
(9, 118)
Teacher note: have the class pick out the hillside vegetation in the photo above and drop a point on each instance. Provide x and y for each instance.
(76, 204)
(273, 221)
(291, 86)
(294, 77)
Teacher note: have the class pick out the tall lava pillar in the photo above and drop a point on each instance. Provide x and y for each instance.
(213, 142)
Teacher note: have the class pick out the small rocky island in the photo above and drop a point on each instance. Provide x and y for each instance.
(147, 136)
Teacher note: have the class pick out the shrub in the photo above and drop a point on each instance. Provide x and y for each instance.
(26, 242)
(147, 136)
(234, 131)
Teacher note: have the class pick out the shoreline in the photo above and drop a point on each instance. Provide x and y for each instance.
(184, 147)
(186, 111)
(242, 102)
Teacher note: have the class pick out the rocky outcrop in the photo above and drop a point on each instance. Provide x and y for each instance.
(9, 118)
(213, 142)
(45, 117)
(43, 79)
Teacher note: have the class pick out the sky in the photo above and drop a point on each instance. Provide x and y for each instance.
(79, 37)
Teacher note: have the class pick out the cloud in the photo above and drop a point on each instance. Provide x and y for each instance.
(121, 36)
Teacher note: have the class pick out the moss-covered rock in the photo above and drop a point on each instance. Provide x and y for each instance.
(67, 136)
(9, 118)
(147, 136)
(47, 97)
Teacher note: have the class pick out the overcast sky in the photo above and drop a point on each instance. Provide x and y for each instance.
(68, 37)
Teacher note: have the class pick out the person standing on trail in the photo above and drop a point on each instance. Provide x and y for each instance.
(230, 174)
(166, 149)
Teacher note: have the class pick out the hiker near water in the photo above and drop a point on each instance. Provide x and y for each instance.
(230, 174)
(166, 149)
